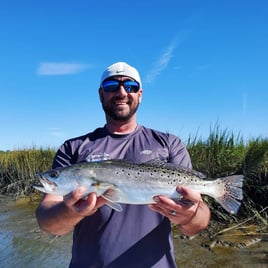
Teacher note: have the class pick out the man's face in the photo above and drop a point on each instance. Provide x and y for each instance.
(120, 105)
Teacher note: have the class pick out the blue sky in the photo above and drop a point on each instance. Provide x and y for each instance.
(201, 62)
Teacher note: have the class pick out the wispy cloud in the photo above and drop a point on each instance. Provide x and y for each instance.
(162, 63)
(60, 68)
(164, 59)
(56, 133)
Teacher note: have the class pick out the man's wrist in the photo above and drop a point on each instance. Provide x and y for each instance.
(198, 222)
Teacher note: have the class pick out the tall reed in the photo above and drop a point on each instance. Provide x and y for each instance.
(224, 154)
(18, 169)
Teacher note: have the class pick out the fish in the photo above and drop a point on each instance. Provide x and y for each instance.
(123, 182)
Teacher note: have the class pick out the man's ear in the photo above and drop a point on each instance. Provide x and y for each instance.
(140, 96)
(101, 94)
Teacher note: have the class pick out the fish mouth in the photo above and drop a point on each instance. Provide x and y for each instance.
(47, 184)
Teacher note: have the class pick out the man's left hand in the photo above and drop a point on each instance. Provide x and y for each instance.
(190, 213)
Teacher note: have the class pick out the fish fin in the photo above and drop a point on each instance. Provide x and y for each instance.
(112, 195)
(115, 206)
(229, 203)
(233, 193)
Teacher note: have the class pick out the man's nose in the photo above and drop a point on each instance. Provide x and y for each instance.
(121, 90)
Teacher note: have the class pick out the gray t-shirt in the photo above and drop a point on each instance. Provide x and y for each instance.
(137, 236)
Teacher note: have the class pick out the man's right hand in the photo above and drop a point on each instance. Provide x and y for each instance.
(81, 204)
(59, 214)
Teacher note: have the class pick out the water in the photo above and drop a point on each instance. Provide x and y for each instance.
(24, 245)
(22, 242)
(231, 250)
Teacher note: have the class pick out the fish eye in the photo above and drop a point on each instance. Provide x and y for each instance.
(54, 174)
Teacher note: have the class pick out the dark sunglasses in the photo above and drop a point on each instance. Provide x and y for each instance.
(130, 86)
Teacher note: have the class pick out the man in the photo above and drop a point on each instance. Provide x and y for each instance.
(140, 235)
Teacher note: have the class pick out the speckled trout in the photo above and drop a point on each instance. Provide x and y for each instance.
(122, 182)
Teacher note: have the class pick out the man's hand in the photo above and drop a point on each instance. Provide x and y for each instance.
(190, 213)
(58, 215)
(81, 204)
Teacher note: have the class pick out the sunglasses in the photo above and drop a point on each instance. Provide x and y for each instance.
(130, 86)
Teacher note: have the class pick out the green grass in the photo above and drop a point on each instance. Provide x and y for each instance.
(221, 154)
(18, 169)
(224, 154)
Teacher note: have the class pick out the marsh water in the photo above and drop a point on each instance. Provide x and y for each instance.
(24, 245)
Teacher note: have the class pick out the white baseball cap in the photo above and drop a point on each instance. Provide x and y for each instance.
(121, 68)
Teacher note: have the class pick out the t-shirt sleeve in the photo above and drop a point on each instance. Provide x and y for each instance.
(178, 153)
(65, 155)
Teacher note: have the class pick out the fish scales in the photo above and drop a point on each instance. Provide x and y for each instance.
(147, 173)
(119, 181)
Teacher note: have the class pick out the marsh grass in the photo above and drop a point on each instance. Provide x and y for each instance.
(18, 169)
(221, 154)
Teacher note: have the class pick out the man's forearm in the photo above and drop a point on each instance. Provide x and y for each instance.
(56, 218)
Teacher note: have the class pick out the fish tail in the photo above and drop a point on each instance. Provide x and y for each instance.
(232, 193)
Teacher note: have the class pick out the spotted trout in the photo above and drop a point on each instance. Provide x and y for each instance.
(122, 182)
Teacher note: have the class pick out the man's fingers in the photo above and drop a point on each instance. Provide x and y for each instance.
(72, 198)
(100, 202)
(189, 196)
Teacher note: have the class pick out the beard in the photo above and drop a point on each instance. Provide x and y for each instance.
(117, 113)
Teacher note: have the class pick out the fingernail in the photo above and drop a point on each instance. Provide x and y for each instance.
(81, 191)
(180, 190)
